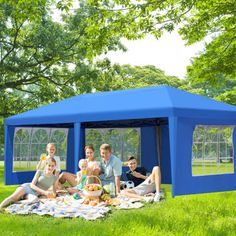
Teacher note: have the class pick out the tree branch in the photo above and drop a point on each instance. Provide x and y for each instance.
(13, 45)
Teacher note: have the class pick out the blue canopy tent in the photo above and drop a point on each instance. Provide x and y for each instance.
(167, 117)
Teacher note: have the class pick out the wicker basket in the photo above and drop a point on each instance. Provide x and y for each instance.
(88, 189)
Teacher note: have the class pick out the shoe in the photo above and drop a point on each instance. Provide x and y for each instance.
(149, 199)
(149, 194)
(162, 194)
(158, 197)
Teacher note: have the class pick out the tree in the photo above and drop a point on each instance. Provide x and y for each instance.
(217, 63)
(196, 21)
(135, 19)
(117, 76)
(228, 96)
(42, 61)
(36, 56)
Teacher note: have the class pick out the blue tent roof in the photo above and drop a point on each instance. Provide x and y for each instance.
(150, 102)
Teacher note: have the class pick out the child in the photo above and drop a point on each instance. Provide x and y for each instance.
(135, 174)
(81, 177)
(151, 184)
(51, 149)
(42, 181)
(93, 168)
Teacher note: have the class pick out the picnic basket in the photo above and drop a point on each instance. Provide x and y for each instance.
(92, 189)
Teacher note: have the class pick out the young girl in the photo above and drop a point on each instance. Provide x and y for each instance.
(42, 181)
(51, 149)
(80, 177)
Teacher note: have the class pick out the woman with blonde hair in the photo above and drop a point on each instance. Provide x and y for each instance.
(51, 150)
(40, 185)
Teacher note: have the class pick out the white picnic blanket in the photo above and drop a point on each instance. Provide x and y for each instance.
(128, 203)
(68, 207)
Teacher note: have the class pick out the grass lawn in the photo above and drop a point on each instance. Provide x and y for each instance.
(211, 167)
(205, 214)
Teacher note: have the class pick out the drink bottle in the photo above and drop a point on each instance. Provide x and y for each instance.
(112, 190)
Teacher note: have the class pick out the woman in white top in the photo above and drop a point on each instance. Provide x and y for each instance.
(93, 168)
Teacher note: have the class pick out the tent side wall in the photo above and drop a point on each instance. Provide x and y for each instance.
(181, 139)
(150, 153)
(165, 155)
(78, 148)
(149, 156)
(70, 149)
(75, 145)
(10, 176)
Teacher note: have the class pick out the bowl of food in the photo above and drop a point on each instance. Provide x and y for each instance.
(92, 190)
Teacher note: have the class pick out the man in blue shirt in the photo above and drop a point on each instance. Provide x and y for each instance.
(111, 167)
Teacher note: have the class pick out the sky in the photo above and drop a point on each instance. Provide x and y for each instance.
(169, 53)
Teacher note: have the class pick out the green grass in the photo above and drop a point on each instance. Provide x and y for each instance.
(203, 214)
(211, 167)
(31, 165)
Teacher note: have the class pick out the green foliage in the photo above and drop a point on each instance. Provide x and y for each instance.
(36, 57)
(136, 19)
(43, 61)
(114, 77)
(217, 63)
(101, 23)
(228, 97)
(24, 9)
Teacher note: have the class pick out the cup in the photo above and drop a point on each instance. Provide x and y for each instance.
(52, 195)
(43, 157)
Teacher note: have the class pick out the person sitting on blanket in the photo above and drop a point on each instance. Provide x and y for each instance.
(93, 168)
(151, 184)
(111, 169)
(135, 174)
(51, 149)
(40, 185)
(81, 177)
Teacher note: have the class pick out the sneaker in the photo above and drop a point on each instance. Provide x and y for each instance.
(149, 194)
(149, 199)
(158, 197)
(162, 194)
